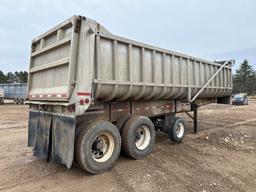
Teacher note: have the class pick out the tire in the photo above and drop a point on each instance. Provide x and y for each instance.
(98, 146)
(121, 122)
(177, 131)
(138, 137)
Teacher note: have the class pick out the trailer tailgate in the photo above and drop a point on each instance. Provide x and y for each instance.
(53, 62)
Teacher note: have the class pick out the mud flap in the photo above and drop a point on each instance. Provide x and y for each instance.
(52, 136)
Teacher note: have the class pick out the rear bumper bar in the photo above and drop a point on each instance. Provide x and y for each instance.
(52, 136)
(47, 103)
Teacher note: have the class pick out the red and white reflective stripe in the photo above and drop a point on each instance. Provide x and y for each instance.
(64, 95)
(146, 108)
(83, 93)
(49, 95)
(59, 95)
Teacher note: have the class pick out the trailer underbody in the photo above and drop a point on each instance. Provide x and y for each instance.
(53, 135)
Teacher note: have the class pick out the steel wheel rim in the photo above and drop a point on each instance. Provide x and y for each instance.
(102, 147)
(180, 130)
(142, 139)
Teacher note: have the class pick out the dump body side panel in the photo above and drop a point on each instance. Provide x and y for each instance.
(129, 69)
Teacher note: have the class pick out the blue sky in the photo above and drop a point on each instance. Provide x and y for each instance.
(219, 29)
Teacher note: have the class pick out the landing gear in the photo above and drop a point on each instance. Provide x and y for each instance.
(194, 117)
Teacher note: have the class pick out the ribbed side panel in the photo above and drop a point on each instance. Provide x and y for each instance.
(128, 70)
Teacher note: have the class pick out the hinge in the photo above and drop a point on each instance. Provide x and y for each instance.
(78, 23)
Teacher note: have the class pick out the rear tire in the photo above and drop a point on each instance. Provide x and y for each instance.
(121, 122)
(177, 131)
(138, 137)
(98, 146)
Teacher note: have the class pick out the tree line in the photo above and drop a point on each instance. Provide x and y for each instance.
(16, 77)
(244, 80)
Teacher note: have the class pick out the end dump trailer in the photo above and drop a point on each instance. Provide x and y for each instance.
(15, 91)
(92, 93)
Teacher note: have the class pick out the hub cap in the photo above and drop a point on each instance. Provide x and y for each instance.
(102, 147)
(180, 130)
(142, 138)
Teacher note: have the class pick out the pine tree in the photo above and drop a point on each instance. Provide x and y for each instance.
(11, 78)
(3, 78)
(244, 78)
(22, 76)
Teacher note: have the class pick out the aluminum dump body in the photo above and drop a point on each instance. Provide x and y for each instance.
(14, 90)
(80, 57)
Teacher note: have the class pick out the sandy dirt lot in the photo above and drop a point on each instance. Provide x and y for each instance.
(221, 157)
